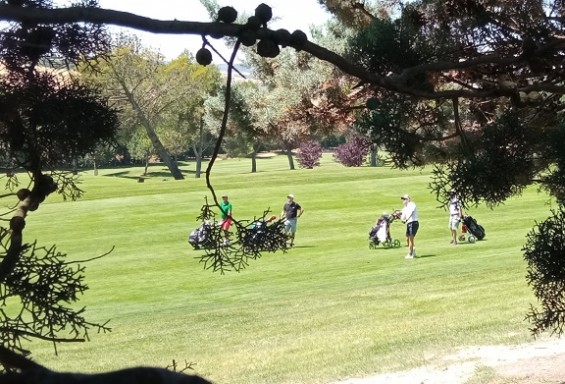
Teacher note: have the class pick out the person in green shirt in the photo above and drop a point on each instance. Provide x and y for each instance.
(225, 224)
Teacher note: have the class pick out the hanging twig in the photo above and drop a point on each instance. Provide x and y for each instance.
(224, 123)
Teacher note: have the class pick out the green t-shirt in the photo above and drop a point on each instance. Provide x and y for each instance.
(226, 208)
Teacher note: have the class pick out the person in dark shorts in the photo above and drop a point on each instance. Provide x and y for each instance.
(290, 213)
(409, 216)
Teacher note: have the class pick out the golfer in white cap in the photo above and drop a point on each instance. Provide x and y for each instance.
(290, 213)
(410, 217)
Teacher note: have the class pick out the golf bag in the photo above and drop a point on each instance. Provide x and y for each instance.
(380, 233)
(473, 227)
(200, 237)
(260, 236)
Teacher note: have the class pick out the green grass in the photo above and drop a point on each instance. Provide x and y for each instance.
(328, 309)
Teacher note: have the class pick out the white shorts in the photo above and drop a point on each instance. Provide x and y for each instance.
(454, 221)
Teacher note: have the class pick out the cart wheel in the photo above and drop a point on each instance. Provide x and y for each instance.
(471, 239)
(396, 243)
(461, 237)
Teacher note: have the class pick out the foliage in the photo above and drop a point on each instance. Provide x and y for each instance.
(49, 112)
(354, 152)
(488, 148)
(502, 165)
(48, 119)
(545, 253)
(400, 46)
(181, 125)
(134, 77)
(45, 285)
(309, 154)
(553, 180)
(393, 125)
(302, 92)
(25, 45)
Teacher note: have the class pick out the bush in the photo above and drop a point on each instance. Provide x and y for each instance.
(354, 152)
(309, 154)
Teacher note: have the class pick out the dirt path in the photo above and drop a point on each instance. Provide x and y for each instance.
(540, 362)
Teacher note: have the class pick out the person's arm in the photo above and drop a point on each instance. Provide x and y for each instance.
(403, 217)
(407, 212)
(301, 212)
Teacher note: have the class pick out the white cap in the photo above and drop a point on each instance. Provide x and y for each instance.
(290, 196)
(405, 197)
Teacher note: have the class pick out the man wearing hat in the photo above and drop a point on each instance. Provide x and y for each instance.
(409, 216)
(290, 213)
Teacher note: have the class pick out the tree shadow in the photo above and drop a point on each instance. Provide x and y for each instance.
(162, 174)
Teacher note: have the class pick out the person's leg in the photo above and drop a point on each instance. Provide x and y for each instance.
(226, 223)
(453, 225)
(287, 230)
(409, 241)
(411, 245)
(291, 238)
(292, 231)
(411, 230)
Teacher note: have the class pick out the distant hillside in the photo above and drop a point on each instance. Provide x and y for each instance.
(246, 71)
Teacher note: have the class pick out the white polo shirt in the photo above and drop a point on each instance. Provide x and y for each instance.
(409, 212)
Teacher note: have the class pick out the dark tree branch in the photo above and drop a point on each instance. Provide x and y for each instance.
(393, 83)
(458, 125)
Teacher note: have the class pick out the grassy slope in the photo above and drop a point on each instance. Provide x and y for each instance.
(330, 308)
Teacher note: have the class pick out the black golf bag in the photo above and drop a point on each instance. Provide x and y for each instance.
(473, 227)
(263, 235)
(200, 237)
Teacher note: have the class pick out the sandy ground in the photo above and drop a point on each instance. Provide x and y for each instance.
(541, 362)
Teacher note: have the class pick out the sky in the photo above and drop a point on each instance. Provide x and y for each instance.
(292, 14)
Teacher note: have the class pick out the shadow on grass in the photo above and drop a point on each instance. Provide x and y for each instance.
(418, 256)
(381, 249)
(163, 174)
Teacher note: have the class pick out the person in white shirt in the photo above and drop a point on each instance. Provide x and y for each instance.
(409, 215)
(455, 215)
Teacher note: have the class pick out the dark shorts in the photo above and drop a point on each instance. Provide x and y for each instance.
(412, 228)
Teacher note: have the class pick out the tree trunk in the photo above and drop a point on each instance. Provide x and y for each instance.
(199, 151)
(75, 166)
(198, 166)
(198, 154)
(254, 160)
(95, 165)
(159, 147)
(290, 158)
(373, 155)
(146, 164)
